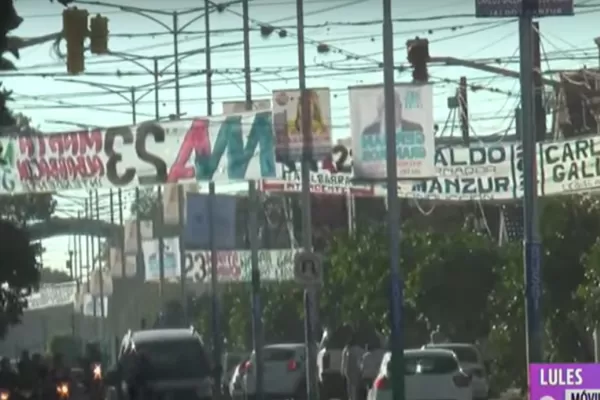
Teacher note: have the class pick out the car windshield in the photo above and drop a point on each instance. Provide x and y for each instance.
(176, 359)
(463, 353)
(427, 364)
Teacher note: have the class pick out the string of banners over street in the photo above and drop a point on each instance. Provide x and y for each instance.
(266, 146)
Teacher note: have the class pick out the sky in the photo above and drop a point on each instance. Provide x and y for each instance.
(57, 102)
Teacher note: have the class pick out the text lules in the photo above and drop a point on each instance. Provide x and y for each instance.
(561, 376)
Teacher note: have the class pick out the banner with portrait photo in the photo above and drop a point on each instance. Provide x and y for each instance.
(287, 125)
(415, 143)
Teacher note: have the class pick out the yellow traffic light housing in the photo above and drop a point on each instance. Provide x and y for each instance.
(75, 30)
(99, 35)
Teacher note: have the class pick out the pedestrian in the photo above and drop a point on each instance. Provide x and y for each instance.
(351, 359)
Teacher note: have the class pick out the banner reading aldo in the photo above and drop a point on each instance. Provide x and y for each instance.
(415, 147)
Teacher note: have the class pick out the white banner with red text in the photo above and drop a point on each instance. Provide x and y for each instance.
(232, 266)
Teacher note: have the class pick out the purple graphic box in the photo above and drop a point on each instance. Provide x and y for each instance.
(562, 381)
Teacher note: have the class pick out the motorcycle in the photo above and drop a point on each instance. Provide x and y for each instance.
(62, 390)
(4, 394)
(96, 389)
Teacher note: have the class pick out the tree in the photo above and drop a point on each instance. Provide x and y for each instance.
(19, 268)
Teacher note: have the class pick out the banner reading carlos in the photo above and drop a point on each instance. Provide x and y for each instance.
(415, 146)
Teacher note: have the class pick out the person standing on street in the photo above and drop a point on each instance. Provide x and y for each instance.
(351, 358)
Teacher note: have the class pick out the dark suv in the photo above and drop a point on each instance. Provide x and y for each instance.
(177, 364)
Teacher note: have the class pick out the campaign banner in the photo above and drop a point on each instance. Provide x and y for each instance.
(468, 173)
(52, 295)
(171, 201)
(568, 167)
(236, 265)
(171, 259)
(196, 234)
(287, 125)
(130, 231)
(564, 381)
(415, 145)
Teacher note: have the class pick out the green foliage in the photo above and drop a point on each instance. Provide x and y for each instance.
(147, 206)
(19, 268)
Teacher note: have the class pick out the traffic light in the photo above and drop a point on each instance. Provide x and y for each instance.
(75, 30)
(418, 56)
(99, 35)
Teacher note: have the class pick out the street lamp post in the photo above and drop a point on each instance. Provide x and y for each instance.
(174, 29)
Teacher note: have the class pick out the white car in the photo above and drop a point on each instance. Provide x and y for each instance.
(284, 372)
(472, 362)
(430, 374)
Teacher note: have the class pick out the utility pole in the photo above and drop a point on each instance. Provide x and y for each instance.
(538, 94)
(532, 243)
(100, 271)
(176, 63)
(208, 61)
(463, 108)
(93, 254)
(122, 224)
(181, 226)
(311, 306)
(80, 260)
(253, 200)
(88, 246)
(396, 284)
(161, 248)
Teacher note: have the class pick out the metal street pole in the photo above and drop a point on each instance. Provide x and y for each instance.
(183, 272)
(214, 283)
(133, 106)
(176, 61)
(88, 247)
(122, 224)
(214, 278)
(156, 93)
(139, 255)
(396, 284)
(80, 266)
(93, 252)
(161, 248)
(310, 295)
(208, 59)
(99, 270)
(253, 200)
(109, 266)
(531, 239)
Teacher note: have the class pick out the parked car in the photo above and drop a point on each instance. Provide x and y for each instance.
(284, 372)
(472, 362)
(429, 374)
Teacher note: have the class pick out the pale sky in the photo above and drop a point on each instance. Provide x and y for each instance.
(39, 93)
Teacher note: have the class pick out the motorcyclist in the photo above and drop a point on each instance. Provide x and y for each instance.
(58, 374)
(92, 358)
(8, 377)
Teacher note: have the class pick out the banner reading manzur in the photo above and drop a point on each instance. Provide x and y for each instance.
(415, 144)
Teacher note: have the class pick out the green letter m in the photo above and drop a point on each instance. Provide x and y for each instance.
(230, 137)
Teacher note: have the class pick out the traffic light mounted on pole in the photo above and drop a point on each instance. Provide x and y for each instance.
(99, 35)
(75, 30)
(418, 56)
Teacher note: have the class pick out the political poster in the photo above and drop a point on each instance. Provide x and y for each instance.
(197, 227)
(414, 136)
(287, 125)
(171, 259)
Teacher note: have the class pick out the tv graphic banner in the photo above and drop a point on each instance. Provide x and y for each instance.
(415, 144)
(564, 381)
(287, 125)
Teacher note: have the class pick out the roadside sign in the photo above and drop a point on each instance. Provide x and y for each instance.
(514, 8)
(308, 269)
